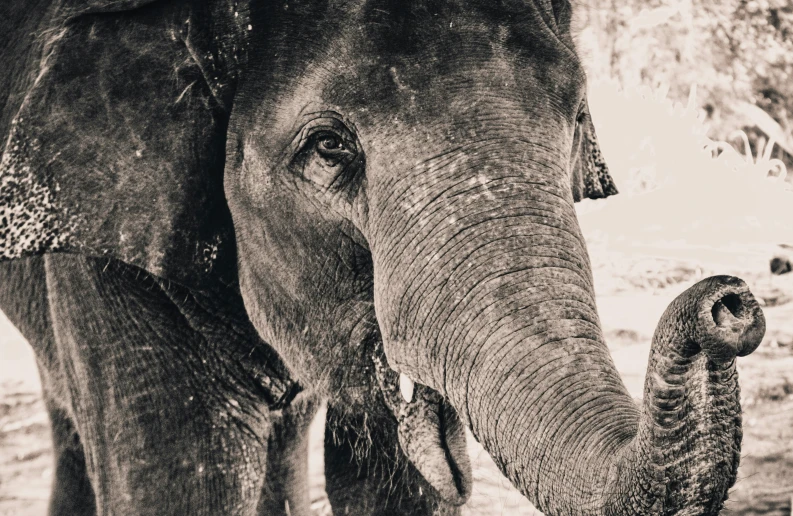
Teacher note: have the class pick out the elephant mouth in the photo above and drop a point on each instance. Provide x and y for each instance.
(430, 432)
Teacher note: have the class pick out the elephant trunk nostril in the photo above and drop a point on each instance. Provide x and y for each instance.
(731, 322)
(754, 326)
(727, 310)
(739, 323)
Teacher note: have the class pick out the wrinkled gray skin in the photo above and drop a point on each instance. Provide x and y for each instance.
(278, 203)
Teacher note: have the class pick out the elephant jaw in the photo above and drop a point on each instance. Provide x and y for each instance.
(430, 432)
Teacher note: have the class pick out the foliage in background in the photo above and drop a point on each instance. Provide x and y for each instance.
(682, 195)
(738, 52)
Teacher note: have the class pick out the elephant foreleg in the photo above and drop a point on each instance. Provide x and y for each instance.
(24, 300)
(166, 420)
(366, 472)
(72, 494)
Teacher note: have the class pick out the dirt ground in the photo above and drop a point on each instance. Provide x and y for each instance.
(633, 291)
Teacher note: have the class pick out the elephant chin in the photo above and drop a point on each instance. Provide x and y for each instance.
(431, 434)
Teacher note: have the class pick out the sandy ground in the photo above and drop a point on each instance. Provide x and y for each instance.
(632, 294)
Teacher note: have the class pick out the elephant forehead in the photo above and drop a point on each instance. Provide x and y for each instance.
(433, 59)
(421, 59)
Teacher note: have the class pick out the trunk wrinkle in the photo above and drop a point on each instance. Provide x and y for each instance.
(532, 376)
(467, 259)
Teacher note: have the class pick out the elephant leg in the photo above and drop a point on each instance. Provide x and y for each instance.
(166, 420)
(23, 299)
(287, 489)
(366, 472)
(72, 494)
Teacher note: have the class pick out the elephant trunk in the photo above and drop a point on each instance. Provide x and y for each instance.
(489, 301)
(692, 401)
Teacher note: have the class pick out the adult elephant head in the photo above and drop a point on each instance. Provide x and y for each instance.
(395, 205)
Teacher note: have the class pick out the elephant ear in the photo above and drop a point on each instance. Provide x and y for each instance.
(590, 175)
(117, 147)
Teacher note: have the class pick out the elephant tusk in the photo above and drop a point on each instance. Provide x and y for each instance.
(406, 386)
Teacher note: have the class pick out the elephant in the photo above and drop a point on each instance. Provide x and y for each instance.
(218, 215)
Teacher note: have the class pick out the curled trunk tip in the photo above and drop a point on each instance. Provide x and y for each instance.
(689, 438)
(718, 316)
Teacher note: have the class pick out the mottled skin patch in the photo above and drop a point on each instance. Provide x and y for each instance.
(590, 175)
(31, 222)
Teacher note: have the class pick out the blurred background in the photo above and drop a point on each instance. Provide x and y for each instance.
(692, 101)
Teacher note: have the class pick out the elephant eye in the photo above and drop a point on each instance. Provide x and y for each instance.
(583, 114)
(333, 149)
(330, 143)
(328, 154)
